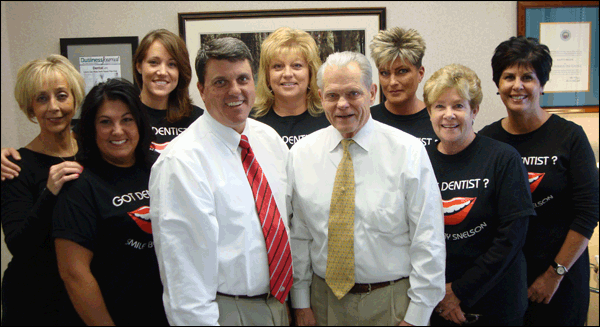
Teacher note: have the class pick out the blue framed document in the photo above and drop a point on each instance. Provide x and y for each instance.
(570, 30)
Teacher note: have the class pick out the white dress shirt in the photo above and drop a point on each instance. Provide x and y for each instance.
(207, 234)
(398, 220)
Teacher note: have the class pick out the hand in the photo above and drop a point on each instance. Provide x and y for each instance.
(9, 169)
(449, 307)
(543, 288)
(305, 317)
(61, 173)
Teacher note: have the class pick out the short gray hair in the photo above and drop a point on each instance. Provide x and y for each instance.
(342, 59)
(228, 48)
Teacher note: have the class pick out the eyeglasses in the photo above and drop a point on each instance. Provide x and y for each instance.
(471, 318)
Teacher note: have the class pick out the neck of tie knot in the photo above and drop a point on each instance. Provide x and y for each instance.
(346, 143)
(244, 143)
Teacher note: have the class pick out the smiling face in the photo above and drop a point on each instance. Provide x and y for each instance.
(159, 74)
(452, 119)
(54, 105)
(228, 92)
(289, 76)
(345, 99)
(117, 133)
(400, 83)
(520, 89)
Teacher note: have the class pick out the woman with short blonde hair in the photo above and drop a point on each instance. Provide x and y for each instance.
(49, 92)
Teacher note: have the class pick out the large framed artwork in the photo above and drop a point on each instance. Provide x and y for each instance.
(570, 30)
(337, 29)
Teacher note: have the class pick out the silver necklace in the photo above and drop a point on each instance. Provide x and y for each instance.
(71, 148)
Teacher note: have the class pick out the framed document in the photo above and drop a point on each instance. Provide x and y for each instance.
(570, 30)
(101, 58)
(337, 29)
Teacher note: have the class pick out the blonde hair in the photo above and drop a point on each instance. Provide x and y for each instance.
(291, 41)
(454, 76)
(32, 77)
(391, 44)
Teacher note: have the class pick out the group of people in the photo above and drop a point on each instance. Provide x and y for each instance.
(348, 213)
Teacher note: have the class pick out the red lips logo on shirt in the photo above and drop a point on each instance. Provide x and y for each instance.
(158, 147)
(457, 209)
(141, 216)
(534, 180)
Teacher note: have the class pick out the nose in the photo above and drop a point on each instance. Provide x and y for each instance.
(117, 129)
(234, 89)
(342, 103)
(518, 85)
(53, 104)
(287, 71)
(393, 79)
(449, 113)
(162, 69)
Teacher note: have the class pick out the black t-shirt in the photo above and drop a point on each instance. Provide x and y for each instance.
(293, 128)
(106, 211)
(563, 180)
(165, 131)
(487, 206)
(417, 125)
(32, 291)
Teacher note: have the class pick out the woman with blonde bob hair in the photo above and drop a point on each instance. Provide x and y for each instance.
(287, 95)
(49, 92)
(487, 206)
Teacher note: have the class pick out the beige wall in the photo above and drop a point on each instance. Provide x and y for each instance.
(455, 32)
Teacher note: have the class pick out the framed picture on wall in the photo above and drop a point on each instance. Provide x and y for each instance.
(570, 30)
(101, 58)
(338, 29)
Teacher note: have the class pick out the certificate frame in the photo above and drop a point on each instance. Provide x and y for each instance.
(122, 46)
(194, 26)
(529, 16)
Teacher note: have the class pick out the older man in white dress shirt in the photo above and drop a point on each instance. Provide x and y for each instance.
(367, 227)
(217, 205)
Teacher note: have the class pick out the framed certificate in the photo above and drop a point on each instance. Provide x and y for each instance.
(570, 30)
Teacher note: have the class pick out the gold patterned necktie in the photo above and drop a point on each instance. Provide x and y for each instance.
(340, 248)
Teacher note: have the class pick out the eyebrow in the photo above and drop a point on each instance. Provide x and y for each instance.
(123, 115)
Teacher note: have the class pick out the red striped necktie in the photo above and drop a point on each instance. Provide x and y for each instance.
(276, 238)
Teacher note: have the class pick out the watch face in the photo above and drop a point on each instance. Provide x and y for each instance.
(560, 270)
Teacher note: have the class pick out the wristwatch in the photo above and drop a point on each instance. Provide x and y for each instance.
(560, 269)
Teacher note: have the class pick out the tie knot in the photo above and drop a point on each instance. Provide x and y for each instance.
(244, 143)
(346, 143)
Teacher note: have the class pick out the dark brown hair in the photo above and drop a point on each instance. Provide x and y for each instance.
(180, 104)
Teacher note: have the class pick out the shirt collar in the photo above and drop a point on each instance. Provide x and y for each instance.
(362, 138)
(228, 135)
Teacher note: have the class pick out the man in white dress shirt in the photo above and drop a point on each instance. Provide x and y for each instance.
(208, 238)
(398, 232)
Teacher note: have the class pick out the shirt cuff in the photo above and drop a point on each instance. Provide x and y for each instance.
(300, 298)
(418, 315)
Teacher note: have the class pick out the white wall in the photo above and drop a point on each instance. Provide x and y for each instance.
(455, 32)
